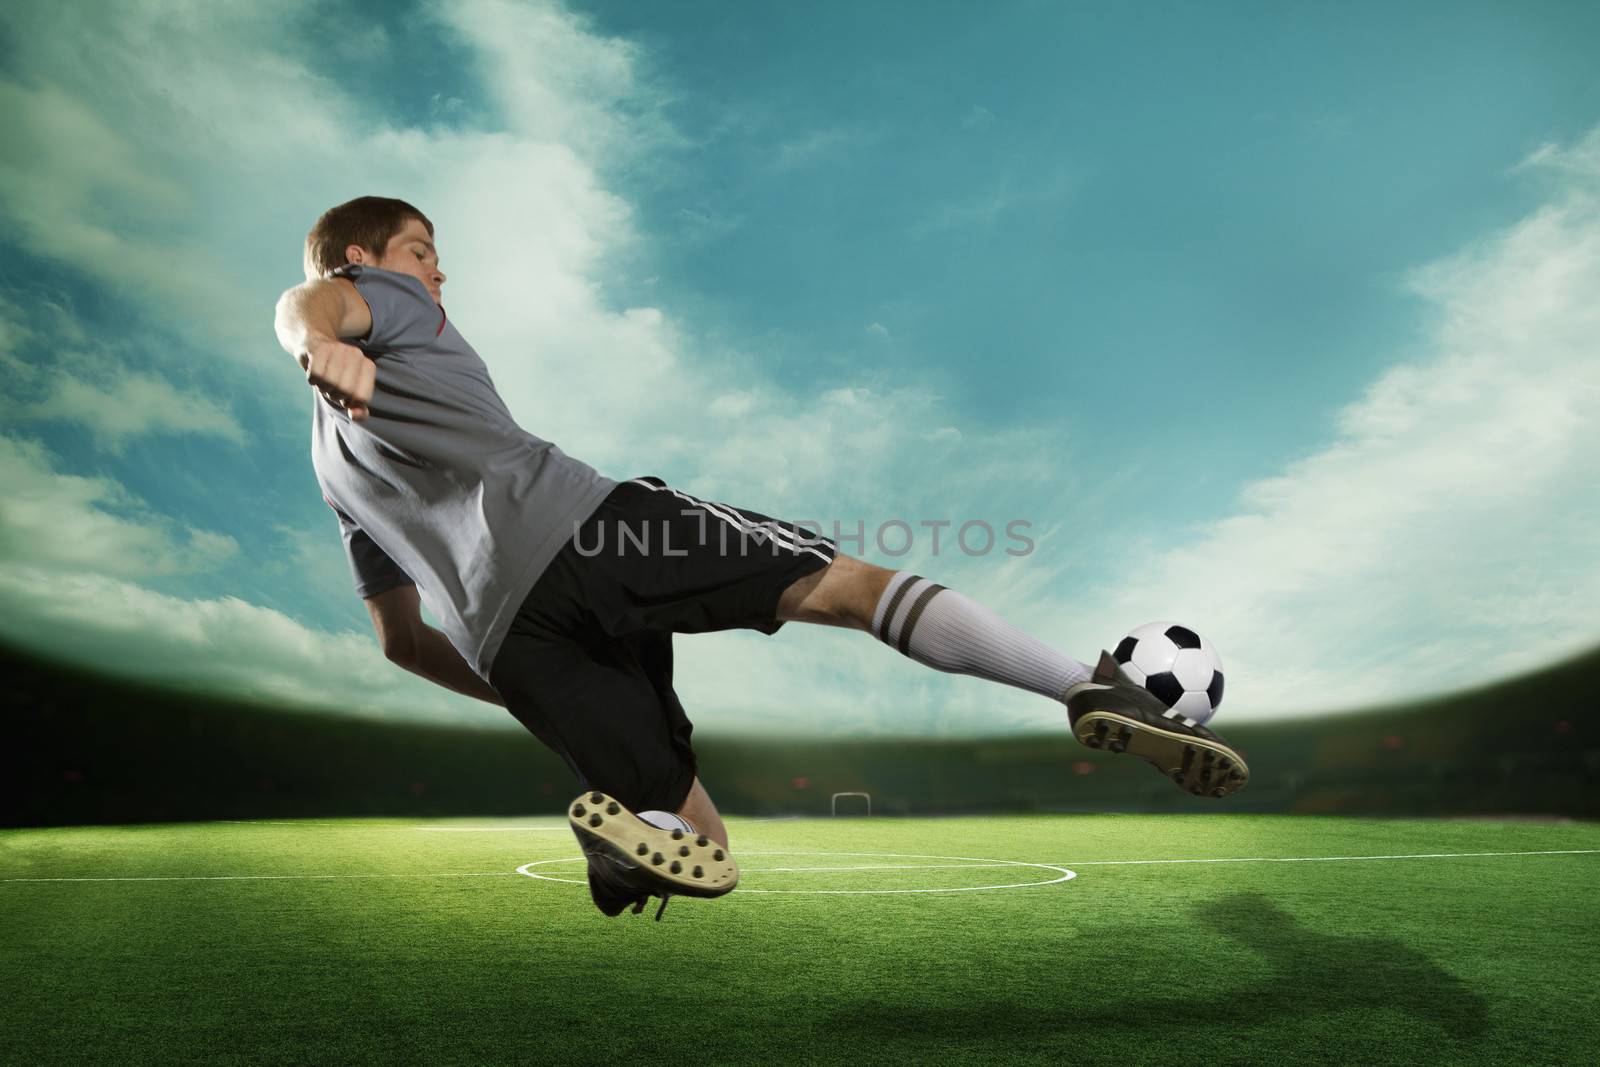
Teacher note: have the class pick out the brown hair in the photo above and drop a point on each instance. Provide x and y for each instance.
(368, 221)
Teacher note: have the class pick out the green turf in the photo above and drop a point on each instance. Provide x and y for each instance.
(392, 957)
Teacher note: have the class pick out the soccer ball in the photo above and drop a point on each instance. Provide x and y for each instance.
(1178, 666)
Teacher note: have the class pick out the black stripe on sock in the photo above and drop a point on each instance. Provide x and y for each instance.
(915, 613)
(894, 603)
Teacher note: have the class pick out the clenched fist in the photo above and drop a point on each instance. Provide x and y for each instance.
(342, 373)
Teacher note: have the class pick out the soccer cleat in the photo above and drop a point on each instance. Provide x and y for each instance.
(1112, 712)
(631, 861)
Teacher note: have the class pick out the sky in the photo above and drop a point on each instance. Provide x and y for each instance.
(1277, 320)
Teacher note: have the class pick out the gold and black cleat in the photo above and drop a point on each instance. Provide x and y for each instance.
(631, 861)
(1116, 714)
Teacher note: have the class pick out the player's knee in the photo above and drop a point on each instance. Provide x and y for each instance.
(844, 593)
(852, 592)
(800, 601)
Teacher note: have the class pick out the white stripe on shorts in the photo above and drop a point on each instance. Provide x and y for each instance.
(777, 533)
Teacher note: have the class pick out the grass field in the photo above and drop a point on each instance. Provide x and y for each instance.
(849, 941)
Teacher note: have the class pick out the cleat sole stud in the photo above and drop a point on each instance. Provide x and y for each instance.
(595, 819)
(613, 808)
(717, 855)
(579, 811)
(676, 868)
(643, 849)
(683, 850)
(658, 859)
(698, 872)
(702, 840)
(595, 798)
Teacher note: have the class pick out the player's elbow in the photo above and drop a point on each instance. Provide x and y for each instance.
(397, 622)
(294, 318)
(398, 654)
(283, 320)
(399, 646)
(322, 307)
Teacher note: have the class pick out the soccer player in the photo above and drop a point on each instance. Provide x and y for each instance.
(558, 589)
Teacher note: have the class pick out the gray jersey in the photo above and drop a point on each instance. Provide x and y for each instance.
(438, 485)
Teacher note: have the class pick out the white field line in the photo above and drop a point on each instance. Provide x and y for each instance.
(262, 877)
(1341, 859)
(884, 867)
(1114, 863)
(887, 867)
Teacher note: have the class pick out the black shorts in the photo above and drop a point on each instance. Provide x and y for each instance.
(587, 662)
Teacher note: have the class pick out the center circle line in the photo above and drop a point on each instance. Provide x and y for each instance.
(1063, 874)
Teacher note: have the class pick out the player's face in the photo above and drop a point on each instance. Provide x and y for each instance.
(411, 251)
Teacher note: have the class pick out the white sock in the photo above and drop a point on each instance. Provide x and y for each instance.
(666, 820)
(951, 632)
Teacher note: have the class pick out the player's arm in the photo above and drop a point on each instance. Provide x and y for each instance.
(419, 648)
(311, 321)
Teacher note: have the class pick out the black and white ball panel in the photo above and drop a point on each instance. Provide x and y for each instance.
(1182, 636)
(1176, 664)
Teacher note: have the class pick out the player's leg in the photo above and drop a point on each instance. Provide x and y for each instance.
(938, 627)
(605, 704)
(729, 568)
(950, 631)
(702, 815)
(841, 594)
(652, 652)
(688, 565)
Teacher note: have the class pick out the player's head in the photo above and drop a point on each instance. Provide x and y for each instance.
(379, 231)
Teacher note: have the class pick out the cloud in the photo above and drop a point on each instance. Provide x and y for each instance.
(1449, 532)
(977, 118)
(704, 224)
(58, 372)
(1580, 160)
(556, 81)
(69, 523)
(76, 556)
(130, 404)
(220, 644)
(818, 145)
(984, 209)
(75, 188)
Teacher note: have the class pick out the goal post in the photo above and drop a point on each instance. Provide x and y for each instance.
(864, 796)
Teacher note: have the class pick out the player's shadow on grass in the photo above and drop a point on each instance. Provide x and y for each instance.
(1171, 985)
(1311, 973)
